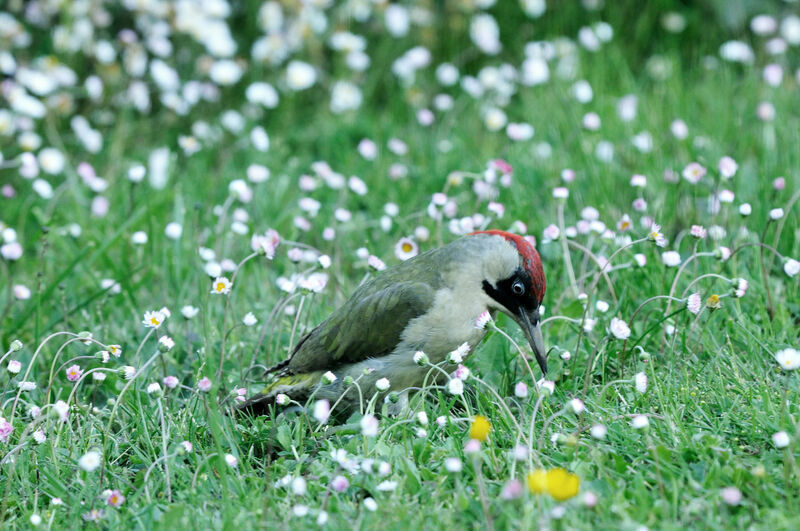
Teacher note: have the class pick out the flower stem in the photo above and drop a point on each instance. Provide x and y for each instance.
(565, 250)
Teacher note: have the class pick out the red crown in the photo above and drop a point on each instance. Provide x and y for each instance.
(530, 259)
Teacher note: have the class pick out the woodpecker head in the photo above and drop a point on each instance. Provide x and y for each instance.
(516, 284)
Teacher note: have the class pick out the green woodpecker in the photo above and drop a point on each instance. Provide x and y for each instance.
(429, 303)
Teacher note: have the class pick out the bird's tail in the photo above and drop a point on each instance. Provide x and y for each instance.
(298, 387)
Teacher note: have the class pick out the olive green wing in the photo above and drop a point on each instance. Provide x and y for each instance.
(366, 326)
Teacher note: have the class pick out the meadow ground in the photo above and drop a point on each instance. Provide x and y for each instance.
(148, 148)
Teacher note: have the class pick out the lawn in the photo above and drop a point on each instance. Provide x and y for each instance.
(649, 151)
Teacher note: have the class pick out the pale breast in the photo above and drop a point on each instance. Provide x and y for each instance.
(449, 323)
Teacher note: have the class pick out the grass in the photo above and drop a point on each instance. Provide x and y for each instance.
(714, 398)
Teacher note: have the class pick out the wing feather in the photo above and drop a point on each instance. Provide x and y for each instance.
(364, 327)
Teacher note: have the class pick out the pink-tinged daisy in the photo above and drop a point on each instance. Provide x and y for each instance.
(376, 263)
(462, 372)
(406, 248)
(114, 498)
(266, 243)
(693, 172)
(547, 387)
(483, 319)
(340, 484)
(496, 208)
(550, 233)
(115, 350)
(472, 446)
(239, 394)
(590, 499)
(204, 384)
(5, 430)
(502, 166)
(624, 223)
(577, 406)
(520, 390)
(694, 303)
(369, 425)
(740, 286)
(698, 231)
(221, 286)
(457, 356)
(74, 373)
(765, 111)
(619, 328)
(731, 495)
(727, 167)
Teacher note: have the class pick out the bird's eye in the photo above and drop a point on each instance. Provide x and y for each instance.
(518, 288)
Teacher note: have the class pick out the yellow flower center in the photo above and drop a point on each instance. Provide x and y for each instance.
(154, 321)
(220, 286)
(407, 247)
(625, 225)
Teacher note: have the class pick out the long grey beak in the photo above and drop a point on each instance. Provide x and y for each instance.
(534, 334)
